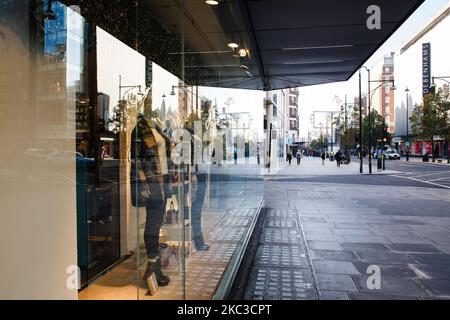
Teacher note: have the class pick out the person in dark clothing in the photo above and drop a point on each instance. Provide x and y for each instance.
(299, 157)
(338, 158)
(235, 157)
(289, 158)
(323, 156)
(197, 208)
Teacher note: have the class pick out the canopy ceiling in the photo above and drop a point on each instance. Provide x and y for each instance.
(291, 43)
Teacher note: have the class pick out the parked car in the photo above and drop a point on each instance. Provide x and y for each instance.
(65, 158)
(392, 155)
(38, 156)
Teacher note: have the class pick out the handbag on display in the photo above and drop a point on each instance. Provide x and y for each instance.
(171, 214)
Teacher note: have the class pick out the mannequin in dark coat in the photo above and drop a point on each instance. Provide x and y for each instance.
(151, 185)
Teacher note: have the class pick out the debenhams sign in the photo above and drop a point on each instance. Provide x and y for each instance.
(426, 68)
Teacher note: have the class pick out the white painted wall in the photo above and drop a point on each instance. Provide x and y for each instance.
(38, 204)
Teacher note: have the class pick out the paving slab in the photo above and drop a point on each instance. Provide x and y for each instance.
(354, 246)
(437, 287)
(393, 286)
(332, 255)
(379, 296)
(391, 270)
(385, 257)
(410, 247)
(333, 295)
(433, 259)
(325, 245)
(336, 282)
(334, 267)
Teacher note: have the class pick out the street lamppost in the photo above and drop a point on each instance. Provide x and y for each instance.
(382, 82)
(433, 84)
(369, 115)
(125, 87)
(407, 123)
(360, 127)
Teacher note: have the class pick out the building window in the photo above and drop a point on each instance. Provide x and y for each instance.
(293, 125)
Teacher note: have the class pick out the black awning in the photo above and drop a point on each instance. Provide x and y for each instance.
(290, 43)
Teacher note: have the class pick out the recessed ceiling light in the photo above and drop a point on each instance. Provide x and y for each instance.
(242, 53)
(212, 2)
(233, 45)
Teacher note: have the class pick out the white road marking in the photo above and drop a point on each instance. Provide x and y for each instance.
(426, 182)
(419, 273)
(428, 174)
(440, 179)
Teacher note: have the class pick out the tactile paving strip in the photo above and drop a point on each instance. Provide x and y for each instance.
(241, 213)
(202, 281)
(281, 256)
(286, 236)
(235, 222)
(220, 253)
(280, 284)
(280, 223)
(232, 234)
(276, 213)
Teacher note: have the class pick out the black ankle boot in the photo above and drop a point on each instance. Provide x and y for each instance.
(155, 267)
(160, 278)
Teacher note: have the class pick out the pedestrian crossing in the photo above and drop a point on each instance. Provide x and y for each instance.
(436, 178)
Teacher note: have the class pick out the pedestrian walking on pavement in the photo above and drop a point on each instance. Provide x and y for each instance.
(289, 158)
(299, 157)
(338, 158)
(235, 157)
(323, 158)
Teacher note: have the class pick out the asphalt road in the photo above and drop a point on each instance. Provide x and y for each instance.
(430, 174)
(408, 174)
(404, 166)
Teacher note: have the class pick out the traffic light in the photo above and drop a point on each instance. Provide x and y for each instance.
(386, 136)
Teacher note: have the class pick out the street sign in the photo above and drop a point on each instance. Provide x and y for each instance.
(426, 68)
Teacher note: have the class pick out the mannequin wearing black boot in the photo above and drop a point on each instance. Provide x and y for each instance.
(154, 266)
(150, 186)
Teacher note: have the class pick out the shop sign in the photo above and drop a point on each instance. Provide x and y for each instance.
(426, 68)
(82, 117)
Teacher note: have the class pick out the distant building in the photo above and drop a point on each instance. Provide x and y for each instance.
(383, 99)
(281, 125)
(409, 74)
(293, 132)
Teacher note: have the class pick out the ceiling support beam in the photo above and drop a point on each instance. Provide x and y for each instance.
(254, 43)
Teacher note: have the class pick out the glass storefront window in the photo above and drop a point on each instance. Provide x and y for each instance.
(149, 187)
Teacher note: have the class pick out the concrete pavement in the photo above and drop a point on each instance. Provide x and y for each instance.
(314, 167)
(323, 240)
